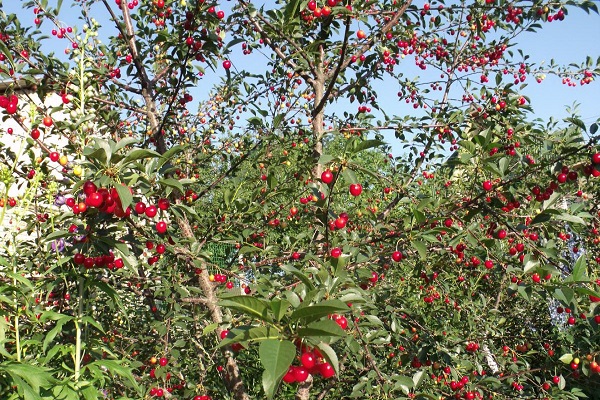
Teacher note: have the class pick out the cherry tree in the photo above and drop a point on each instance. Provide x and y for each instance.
(212, 210)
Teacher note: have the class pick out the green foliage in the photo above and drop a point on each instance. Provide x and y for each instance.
(193, 246)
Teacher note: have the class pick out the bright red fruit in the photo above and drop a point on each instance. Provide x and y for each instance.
(151, 211)
(326, 370)
(596, 158)
(226, 64)
(355, 189)
(397, 256)
(327, 177)
(161, 227)
(289, 376)
(163, 361)
(54, 156)
(340, 223)
(336, 252)
(47, 121)
(89, 187)
(308, 360)
(487, 186)
(140, 207)
(300, 374)
(94, 200)
(341, 321)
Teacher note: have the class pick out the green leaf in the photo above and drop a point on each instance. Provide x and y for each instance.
(291, 9)
(124, 195)
(138, 154)
(248, 305)
(276, 356)
(404, 383)
(349, 176)
(418, 378)
(227, 197)
(565, 295)
(172, 183)
(326, 159)
(580, 269)
(566, 358)
(326, 327)
(35, 376)
(170, 154)
(25, 390)
(421, 248)
(367, 144)
(321, 309)
(250, 334)
(277, 121)
(571, 218)
(279, 308)
(541, 218)
(115, 367)
(54, 331)
(124, 142)
(300, 275)
(57, 235)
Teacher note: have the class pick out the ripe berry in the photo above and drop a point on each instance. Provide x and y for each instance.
(397, 256)
(161, 227)
(308, 360)
(487, 186)
(327, 177)
(336, 252)
(326, 370)
(355, 189)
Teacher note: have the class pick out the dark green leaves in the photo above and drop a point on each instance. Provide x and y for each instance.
(276, 356)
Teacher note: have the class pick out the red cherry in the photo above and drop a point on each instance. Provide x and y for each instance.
(94, 199)
(289, 376)
(226, 64)
(327, 177)
(374, 277)
(342, 322)
(355, 189)
(340, 223)
(501, 234)
(163, 361)
(397, 256)
(308, 360)
(47, 121)
(596, 158)
(140, 207)
(89, 187)
(54, 156)
(163, 204)
(150, 211)
(326, 370)
(336, 252)
(161, 227)
(487, 186)
(300, 374)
